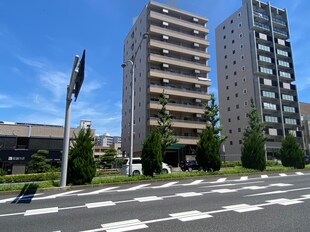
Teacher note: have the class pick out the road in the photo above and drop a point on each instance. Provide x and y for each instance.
(274, 202)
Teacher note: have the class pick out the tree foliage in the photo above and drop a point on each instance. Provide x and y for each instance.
(152, 154)
(208, 147)
(81, 164)
(291, 154)
(39, 162)
(108, 158)
(254, 139)
(165, 124)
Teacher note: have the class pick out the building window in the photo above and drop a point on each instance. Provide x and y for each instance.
(236, 95)
(271, 119)
(266, 70)
(235, 73)
(224, 37)
(225, 57)
(233, 52)
(289, 109)
(240, 35)
(228, 109)
(224, 46)
(264, 58)
(236, 83)
(227, 98)
(287, 97)
(238, 118)
(269, 106)
(285, 74)
(224, 27)
(242, 57)
(263, 47)
(239, 129)
(227, 87)
(234, 62)
(244, 79)
(232, 31)
(241, 46)
(230, 131)
(240, 25)
(245, 103)
(243, 68)
(229, 120)
(269, 94)
(226, 77)
(231, 21)
(237, 106)
(231, 142)
(282, 53)
(245, 91)
(233, 41)
(290, 121)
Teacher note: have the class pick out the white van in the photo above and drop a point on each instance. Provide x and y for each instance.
(137, 167)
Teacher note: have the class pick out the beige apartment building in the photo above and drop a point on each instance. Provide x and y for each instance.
(174, 59)
(305, 118)
(255, 60)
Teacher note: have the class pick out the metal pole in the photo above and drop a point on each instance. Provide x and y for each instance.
(65, 149)
(132, 115)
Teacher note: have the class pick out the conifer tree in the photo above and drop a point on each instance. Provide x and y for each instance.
(39, 162)
(254, 139)
(208, 147)
(291, 154)
(81, 164)
(152, 154)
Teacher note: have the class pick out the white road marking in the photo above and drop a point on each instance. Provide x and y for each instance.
(264, 176)
(241, 208)
(284, 201)
(254, 187)
(277, 192)
(166, 185)
(133, 188)
(219, 180)
(196, 182)
(20, 198)
(97, 191)
(280, 185)
(121, 226)
(150, 198)
(41, 211)
(282, 174)
(299, 173)
(99, 204)
(190, 215)
(64, 194)
(242, 178)
(223, 190)
(189, 194)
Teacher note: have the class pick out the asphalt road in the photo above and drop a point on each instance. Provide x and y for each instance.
(277, 202)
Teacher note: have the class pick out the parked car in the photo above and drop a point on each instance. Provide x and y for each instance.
(189, 165)
(137, 167)
(307, 159)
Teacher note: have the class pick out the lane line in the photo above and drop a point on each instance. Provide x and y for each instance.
(99, 204)
(64, 194)
(146, 199)
(97, 191)
(166, 185)
(196, 182)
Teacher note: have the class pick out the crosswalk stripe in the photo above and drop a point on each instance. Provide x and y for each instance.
(299, 173)
(150, 198)
(282, 174)
(127, 225)
(57, 195)
(264, 176)
(166, 185)
(133, 188)
(243, 178)
(99, 204)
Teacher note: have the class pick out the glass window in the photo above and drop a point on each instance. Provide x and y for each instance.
(271, 119)
(269, 94)
(269, 106)
(290, 121)
(263, 47)
(289, 109)
(287, 97)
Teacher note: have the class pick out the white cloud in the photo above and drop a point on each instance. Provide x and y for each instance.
(91, 86)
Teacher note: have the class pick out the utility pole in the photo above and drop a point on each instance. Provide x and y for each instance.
(76, 81)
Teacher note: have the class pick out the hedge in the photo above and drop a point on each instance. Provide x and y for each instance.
(30, 177)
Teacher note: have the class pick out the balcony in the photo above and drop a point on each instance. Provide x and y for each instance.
(178, 62)
(179, 22)
(179, 35)
(188, 140)
(180, 124)
(177, 107)
(167, 74)
(179, 92)
(179, 49)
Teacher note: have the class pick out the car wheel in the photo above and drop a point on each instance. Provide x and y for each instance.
(136, 173)
(190, 169)
(164, 171)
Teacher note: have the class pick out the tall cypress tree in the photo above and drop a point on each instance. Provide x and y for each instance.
(254, 139)
(152, 154)
(208, 147)
(81, 164)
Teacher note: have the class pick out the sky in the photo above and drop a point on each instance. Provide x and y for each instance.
(39, 39)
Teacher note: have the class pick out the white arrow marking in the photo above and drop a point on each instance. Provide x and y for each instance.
(97, 191)
(133, 188)
(166, 185)
(41, 211)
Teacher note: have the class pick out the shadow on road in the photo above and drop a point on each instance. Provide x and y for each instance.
(26, 194)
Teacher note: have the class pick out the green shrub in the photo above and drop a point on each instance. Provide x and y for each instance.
(30, 177)
(231, 164)
(2, 172)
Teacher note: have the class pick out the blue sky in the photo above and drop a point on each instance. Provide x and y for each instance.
(39, 39)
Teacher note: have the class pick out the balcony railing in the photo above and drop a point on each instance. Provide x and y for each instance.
(263, 16)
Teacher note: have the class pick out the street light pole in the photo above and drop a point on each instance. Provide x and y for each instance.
(132, 115)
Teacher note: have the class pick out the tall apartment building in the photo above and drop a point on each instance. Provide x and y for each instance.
(254, 60)
(173, 59)
(305, 119)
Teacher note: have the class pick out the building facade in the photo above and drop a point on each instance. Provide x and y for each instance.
(105, 142)
(255, 61)
(19, 141)
(173, 60)
(305, 118)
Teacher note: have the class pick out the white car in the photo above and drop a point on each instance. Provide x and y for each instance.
(137, 167)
